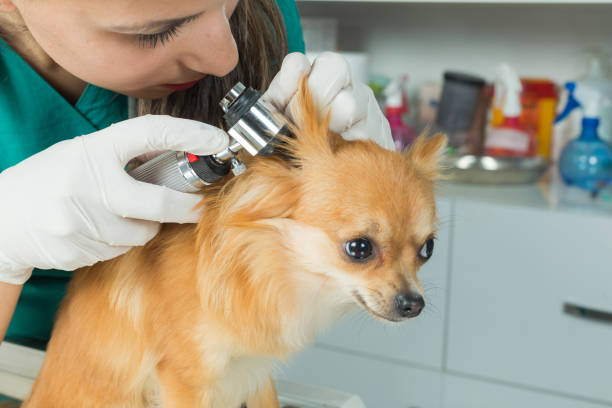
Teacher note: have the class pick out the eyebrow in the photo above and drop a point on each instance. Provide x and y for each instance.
(156, 25)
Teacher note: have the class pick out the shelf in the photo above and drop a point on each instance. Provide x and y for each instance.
(550, 194)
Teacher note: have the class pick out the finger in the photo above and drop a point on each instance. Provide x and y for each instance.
(154, 203)
(110, 228)
(127, 231)
(349, 107)
(150, 133)
(330, 74)
(362, 130)
(82, 251)
(93, 251)
(370, 125)
(378, 124)
(285, 84)
(148, 156)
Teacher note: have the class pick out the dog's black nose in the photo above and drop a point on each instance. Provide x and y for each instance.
(409, 304)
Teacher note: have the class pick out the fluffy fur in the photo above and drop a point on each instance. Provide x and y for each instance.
(199, 316)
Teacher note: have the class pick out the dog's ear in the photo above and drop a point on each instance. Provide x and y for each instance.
(311, 128)
(425, 154)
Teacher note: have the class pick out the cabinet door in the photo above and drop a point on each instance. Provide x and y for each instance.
(379, 384)
(418, 340)
(513, 273)
(461, 392)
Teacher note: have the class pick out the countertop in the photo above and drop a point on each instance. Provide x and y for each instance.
(549, 194)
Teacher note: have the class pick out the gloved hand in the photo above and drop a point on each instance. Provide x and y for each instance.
(355, 113)
(73, 204)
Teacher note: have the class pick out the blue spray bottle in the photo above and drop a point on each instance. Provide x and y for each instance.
(586, 162)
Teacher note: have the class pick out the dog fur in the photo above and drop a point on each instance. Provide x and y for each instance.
(200, 315)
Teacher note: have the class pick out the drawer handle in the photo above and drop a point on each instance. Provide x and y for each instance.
(586, 312)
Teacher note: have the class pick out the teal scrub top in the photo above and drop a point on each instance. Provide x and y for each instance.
(34, 116)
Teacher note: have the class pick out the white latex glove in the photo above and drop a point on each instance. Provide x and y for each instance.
(73, 204)
(355, 113)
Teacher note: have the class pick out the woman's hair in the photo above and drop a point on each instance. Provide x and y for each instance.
(259, 31)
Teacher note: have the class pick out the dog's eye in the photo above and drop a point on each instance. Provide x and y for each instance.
(359, 249)
(427, 249)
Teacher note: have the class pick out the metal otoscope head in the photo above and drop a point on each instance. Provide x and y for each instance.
(251, 122)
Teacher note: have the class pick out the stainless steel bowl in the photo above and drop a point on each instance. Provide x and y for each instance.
(495, 170)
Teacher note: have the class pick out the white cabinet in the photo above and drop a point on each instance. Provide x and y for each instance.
(380, 384)
(461, 392)
(513, 271)
(419, 340)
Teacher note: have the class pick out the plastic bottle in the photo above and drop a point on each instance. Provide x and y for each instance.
(511, 137)
(497, 104)
(396, 107)
(596, 78)
(459, 102)
(586, 162)
(565, 130)
(539, 101)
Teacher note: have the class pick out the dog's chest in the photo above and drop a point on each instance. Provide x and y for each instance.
(317, 311)
(241, 377)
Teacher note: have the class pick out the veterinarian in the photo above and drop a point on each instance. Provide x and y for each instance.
(71, 74)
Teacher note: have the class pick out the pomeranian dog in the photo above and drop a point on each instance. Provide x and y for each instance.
(200, 315)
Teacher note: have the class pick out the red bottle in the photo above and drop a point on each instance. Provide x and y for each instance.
(396, 107)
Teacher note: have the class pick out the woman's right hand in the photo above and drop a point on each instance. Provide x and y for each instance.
(73, 204)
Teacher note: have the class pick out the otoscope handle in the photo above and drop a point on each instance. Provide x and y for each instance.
(181, 171)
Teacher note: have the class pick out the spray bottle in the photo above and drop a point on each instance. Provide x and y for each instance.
(586, 162)
(596, 76)
(510, 137)
(396, 105)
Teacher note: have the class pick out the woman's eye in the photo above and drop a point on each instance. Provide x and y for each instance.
(151, 40)
(359, 249)
(427, 249)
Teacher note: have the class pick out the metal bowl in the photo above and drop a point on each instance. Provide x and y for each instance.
(495, 170)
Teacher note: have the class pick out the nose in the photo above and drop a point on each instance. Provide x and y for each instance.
(212, 48)
(409, 304)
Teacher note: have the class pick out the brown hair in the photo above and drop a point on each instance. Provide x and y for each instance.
(259, 31)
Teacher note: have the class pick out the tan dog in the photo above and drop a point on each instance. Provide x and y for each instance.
(199, 316)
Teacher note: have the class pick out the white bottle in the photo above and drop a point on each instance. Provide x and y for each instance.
(510, 138)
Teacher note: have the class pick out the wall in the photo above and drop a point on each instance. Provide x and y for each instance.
(423, 40)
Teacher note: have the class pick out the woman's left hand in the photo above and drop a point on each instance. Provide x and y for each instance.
(355, 113)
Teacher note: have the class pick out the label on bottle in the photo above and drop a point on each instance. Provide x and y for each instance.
(508, 139)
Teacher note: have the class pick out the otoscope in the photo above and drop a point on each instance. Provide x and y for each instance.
(253, 125)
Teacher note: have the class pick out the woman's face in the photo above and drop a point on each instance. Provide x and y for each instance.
(137, 47)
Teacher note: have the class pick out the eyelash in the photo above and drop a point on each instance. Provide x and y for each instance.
(151, 40)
